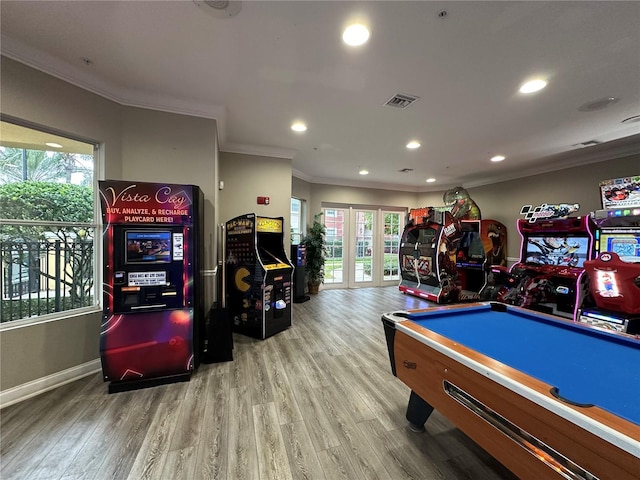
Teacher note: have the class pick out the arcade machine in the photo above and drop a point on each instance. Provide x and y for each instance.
(549, 275)
(258, 276)
(427, 255)
(483, 245)
(614, 275)
(299, 256)
(153, 308)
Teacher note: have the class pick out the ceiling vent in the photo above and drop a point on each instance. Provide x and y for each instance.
(405, 170)
(220, 8)
(598, 104)
(401, 100)
(588, 143)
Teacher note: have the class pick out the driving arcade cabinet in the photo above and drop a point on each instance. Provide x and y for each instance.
(152, 290)
(258, 276)
(549, 276)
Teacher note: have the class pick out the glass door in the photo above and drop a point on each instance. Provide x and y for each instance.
(334, 263)
(363, 267)
(362, 247)
(393, 225)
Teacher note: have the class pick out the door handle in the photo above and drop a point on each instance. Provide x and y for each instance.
(409, 365)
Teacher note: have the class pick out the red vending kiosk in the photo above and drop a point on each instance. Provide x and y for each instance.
(152, 290)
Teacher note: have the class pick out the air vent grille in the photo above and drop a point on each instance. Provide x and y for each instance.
(405, 170)
(588, 143)
(401, 100)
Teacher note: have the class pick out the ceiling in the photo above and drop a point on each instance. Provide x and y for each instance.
(272, 63)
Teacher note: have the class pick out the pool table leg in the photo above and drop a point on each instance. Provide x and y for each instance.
(417, 412)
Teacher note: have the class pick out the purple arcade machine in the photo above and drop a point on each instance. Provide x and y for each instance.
(152, 290)
(554, 247)
(614, 275)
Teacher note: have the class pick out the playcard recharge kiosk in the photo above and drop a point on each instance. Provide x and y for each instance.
(152, 290)
(258, 276)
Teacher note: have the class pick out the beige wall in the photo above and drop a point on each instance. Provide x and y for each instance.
(300, 189)
(36, 97)
(245, 178)
(334, 194)
(136, 144)
(168, 148)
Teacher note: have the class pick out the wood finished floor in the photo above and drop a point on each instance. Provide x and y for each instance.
(317, 401)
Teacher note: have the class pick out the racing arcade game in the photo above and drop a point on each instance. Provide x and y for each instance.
(427, 255)
(549, 276)
(258, 276)
(152, 291)
(614, 275)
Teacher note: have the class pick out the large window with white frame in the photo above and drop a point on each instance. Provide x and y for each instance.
(47, 224)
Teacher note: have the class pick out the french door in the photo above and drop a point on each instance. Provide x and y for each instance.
(362, 247)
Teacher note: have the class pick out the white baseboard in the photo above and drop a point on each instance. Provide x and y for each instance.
(44, 384)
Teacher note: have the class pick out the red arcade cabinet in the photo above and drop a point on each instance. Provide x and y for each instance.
(614, 275)
(428, 255)
(152, 291)
(615, 288)
(483, 244)
(548, 277)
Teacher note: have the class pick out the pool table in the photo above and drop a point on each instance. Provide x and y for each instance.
(547, 397)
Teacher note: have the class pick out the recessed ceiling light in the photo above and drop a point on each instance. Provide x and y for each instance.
(355, 35)
(413, 144)
(533, 86)
(54, 145)
(430, 180)
(364, 171)
(498, 158)
(299, 127)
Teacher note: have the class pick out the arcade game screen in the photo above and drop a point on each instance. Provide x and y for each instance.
(626, 245)
(568, 251)
(148, 247)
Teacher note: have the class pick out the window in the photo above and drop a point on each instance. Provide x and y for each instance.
(47, 224)
(297, 220)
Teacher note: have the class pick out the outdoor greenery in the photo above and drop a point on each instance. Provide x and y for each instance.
(47, 207)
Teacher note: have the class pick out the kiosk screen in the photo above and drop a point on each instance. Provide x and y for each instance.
(148, 246)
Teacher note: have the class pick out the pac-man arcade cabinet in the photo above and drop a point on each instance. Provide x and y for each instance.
(258, 276)
(153, 307)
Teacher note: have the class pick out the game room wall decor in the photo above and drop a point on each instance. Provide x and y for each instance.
(152, 290)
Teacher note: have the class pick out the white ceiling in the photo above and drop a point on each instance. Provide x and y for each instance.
(276, 62)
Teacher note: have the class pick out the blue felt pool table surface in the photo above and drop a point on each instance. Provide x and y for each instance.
(586, 365)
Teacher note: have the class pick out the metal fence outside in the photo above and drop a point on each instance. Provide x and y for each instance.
(42, 277)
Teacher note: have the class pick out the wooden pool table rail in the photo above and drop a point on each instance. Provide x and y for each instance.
(611, 452)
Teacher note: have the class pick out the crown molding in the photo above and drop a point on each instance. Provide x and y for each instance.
(262, 151)
(615, 149)
(83, 78)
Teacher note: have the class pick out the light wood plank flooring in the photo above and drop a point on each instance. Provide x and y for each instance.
(317, 401)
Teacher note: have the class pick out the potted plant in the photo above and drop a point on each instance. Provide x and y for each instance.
(314, 243)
